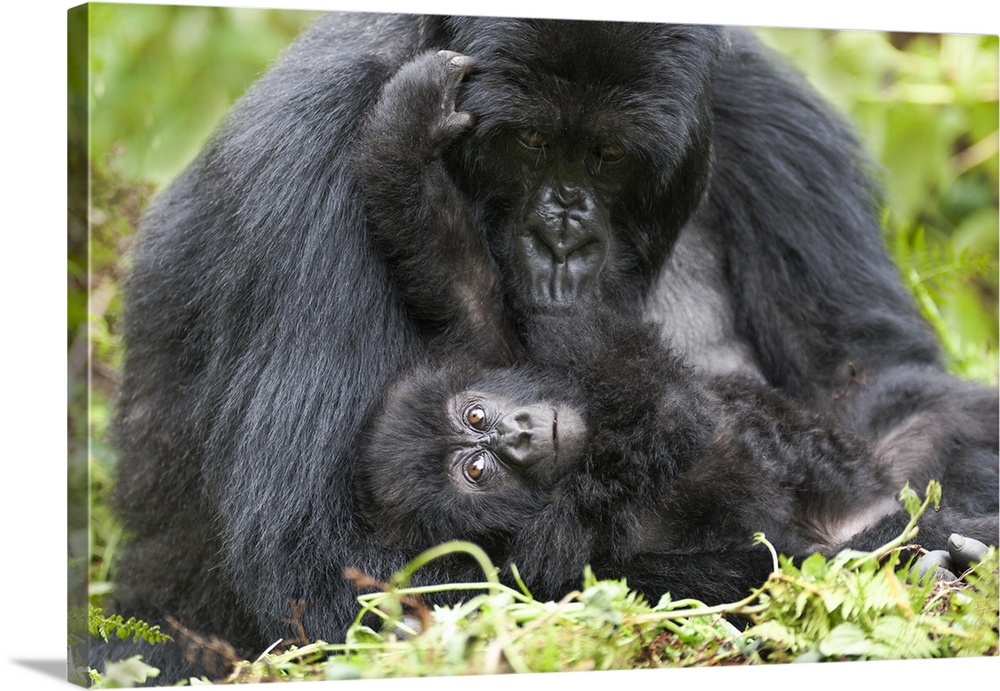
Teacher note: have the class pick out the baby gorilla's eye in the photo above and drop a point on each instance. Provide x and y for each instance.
(533, 139)
(477, 468)
(476, 417)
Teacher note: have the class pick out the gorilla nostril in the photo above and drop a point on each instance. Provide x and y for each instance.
(567, 197)
(561, 235)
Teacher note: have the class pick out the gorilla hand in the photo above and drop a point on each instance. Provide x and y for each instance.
(962, 552)
(420, 96)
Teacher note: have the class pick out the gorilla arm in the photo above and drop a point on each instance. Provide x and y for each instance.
(418, 217)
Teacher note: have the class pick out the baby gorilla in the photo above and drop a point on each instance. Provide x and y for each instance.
(460, 451)
(577, 437)
(606, 450)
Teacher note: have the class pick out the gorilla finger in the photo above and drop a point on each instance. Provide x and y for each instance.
(938, 564)
(965, 551)
(464, 64)
(457, 122)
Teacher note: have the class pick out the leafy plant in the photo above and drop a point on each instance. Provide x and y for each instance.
(853, 606)
(936, 273)
(124, 674)
(926, 108)
(857, 606)
(115, 625)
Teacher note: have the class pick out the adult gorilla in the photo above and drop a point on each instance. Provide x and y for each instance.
(675, 170)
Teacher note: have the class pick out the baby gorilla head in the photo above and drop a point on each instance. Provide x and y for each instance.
(464, 453)
(499, 441)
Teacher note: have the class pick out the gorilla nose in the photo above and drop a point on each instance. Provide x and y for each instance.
(525, 436)
(569, 197)
(563, 233)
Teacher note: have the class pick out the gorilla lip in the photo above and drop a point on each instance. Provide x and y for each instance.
(555, 434)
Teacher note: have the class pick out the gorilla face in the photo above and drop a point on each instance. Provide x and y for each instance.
(460, 455)
(497, 442)
(591, 149)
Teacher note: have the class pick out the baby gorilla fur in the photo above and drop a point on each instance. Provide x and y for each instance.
(663, 481)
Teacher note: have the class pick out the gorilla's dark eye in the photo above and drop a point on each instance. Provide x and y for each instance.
(609, 153)
(533, 139)
(477, 468)
(476, 417)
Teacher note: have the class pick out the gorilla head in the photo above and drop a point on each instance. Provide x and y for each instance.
(463, 452)
(592, 147)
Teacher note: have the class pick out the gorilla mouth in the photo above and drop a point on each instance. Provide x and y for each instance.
(561, 259)
(555, 434)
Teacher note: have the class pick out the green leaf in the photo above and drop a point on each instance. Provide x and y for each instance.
(127, 673)
(897, 638)
(814, 567)
(846, 640)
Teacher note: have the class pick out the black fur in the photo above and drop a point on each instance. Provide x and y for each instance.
(264, 323)
(678, 463)
(678, 470)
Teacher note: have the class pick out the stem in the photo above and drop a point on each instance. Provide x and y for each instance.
(402, 577)
(739, 607)
(909, 532)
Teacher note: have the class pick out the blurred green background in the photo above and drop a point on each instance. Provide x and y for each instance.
(158, 79)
